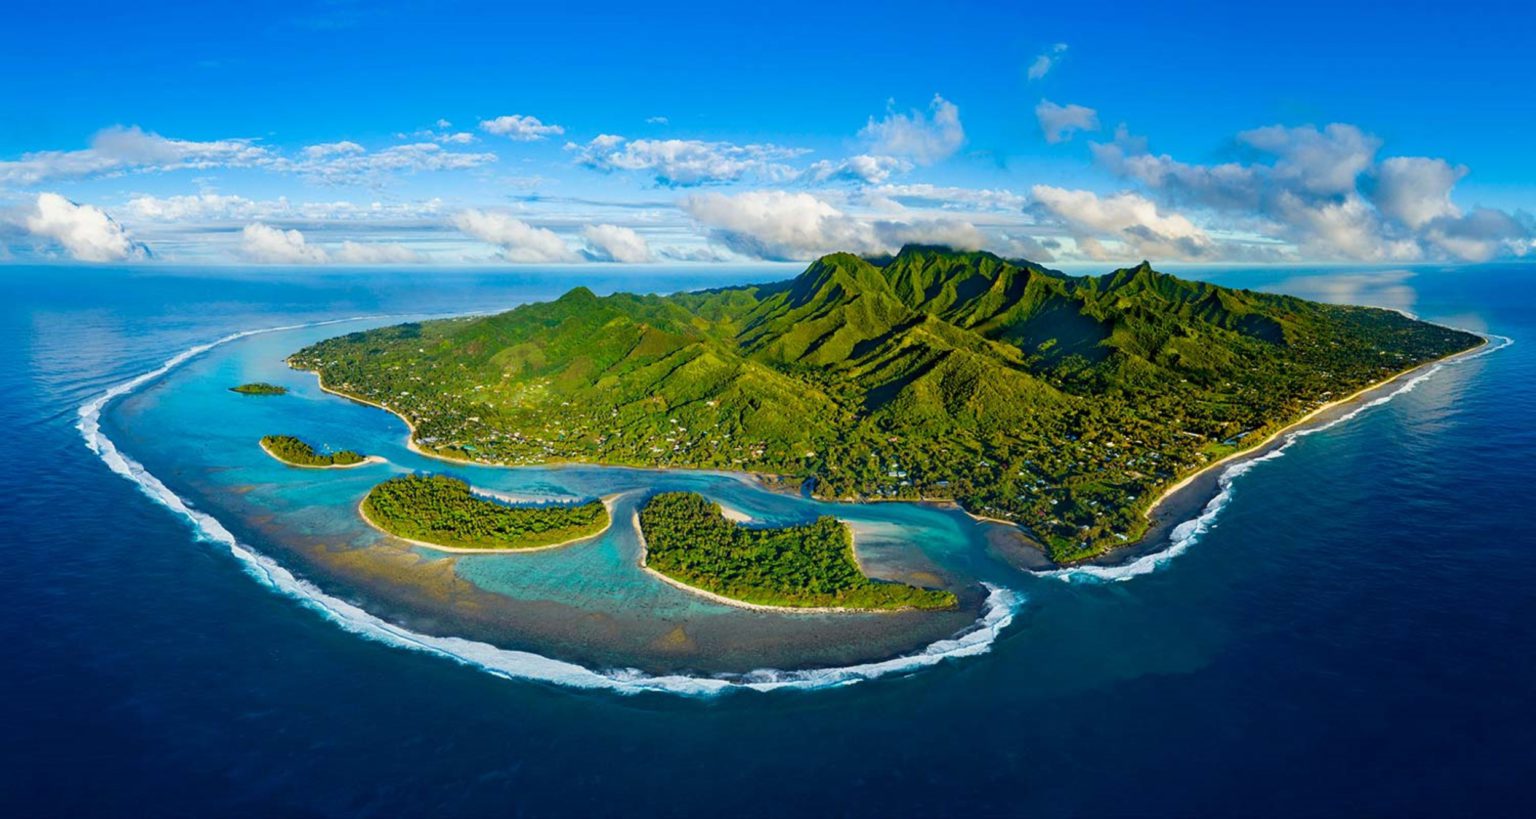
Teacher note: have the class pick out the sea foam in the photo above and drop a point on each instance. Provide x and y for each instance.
(1189, 532)
(998, 609)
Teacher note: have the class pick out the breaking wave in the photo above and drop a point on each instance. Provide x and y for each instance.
(998, 609)
(1189, 532)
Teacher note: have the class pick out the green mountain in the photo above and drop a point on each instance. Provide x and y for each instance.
(1063, 403)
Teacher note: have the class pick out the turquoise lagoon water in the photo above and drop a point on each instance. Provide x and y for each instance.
(589, 602)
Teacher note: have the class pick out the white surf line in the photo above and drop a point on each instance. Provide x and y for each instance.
(998, 610)
(1189, 532)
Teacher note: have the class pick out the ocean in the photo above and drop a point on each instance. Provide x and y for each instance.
(1350, 630)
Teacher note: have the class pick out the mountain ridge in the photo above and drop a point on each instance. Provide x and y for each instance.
(1064, 403)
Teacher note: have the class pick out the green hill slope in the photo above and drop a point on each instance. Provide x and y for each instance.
(1063, 403)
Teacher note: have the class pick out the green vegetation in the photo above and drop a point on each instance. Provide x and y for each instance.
(441, 510)
(259, 388)
(689, 540)
(292, 451)
(1065, 404)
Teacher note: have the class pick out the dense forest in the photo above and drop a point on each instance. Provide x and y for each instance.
(442, 510)
(259, 388)
(689, 540)
(291, 450)
(1065, 404)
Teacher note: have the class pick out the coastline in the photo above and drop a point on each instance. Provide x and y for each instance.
(371, 459)
(1157, 512)
(742, 604)
(410, 435)
(608, 503)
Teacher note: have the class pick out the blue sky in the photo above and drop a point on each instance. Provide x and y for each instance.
(484, 133)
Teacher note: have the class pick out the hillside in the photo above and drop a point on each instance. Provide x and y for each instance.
(1063, 403)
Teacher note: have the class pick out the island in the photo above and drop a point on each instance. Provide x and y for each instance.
(259, 388)
(441, 512)
(687, 540)
(295, 452)
(1065, 405)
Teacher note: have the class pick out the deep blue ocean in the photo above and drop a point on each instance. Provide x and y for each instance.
(1355, 634)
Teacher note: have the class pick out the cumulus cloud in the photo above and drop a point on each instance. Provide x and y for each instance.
(520, 128)
(85, 232)
(1060, 122)
(685, 162)
(516, 240)
(1046, 61)
(1131, 220)
(861, 168)
(189, 207)
(1324, 193)
(611, 243)
(1480, 235)
(924, 139)
(1416, 190)
(785, 226)
(265, 244)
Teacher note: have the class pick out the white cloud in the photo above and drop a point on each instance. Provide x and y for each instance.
(520, 128)
(264, 244)
(1415, 190)
(1132, 220)
(85, 232)
(656, 120)
(611, 243)
(685, 162)
(1046, 61)
(1480, 235)
(118, 149)
(188, 208)
(862, 168)
(269, 245)
(779, 225)
(326, 149)
(1060, 122)
(518, 241)
(1305, 190)
(923, 139)
(1322, 162)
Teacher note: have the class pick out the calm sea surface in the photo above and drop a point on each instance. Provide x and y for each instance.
(1355, 634)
